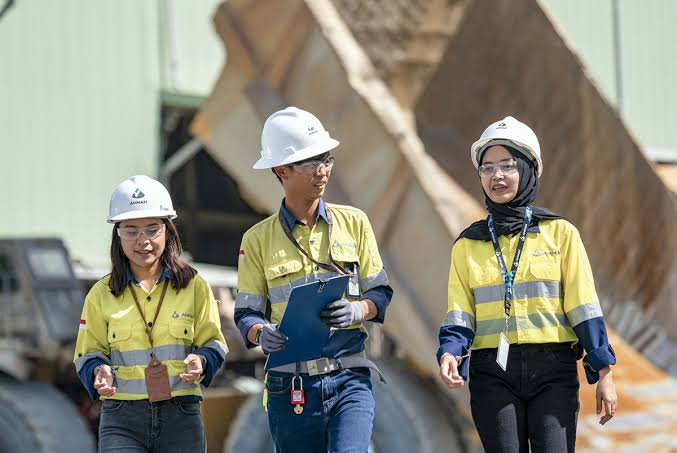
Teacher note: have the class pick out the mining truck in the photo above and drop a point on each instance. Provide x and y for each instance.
(43, 407)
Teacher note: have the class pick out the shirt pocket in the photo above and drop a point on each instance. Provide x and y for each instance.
(345, 257)
(546, 267)
(182, 330)
(483, 272)
(278, 277)
(118, 332)
(344, 250)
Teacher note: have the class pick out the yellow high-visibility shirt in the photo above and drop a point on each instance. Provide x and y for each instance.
(271, 266)
(553, 291)
(112, 330)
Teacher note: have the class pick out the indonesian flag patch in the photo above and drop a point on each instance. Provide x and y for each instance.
(240, 257)
(83, 324)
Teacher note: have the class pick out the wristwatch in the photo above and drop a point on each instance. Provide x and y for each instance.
(257, 336)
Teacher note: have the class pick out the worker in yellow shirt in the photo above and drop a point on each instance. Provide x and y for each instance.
(521, 296)
(150, 332)
(309, 240)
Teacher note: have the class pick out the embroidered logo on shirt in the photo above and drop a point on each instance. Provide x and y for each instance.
(346, 244)
(546, 252)
(183, 315)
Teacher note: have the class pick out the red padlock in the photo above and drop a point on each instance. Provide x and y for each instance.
(297, 396)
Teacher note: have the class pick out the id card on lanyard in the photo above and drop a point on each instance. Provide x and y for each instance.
(509, 280)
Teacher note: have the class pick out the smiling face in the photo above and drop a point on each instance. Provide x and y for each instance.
(300, 185)
(143, 252)
(500, 185)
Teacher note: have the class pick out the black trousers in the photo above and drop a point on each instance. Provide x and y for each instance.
(533, 403)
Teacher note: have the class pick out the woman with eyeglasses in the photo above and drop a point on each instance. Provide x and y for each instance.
(150, 331)
(521, 297)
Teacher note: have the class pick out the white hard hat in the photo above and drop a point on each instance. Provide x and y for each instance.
(140, 197)
(292, 135)
(510, 132)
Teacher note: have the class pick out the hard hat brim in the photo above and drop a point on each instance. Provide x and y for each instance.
(143, 215)
(306, 153)
(480, 145)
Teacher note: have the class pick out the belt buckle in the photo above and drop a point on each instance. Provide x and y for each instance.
(318, 366)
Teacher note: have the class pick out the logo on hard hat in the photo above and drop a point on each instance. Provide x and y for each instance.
(138, 194)
(311, 130)
(502, 125)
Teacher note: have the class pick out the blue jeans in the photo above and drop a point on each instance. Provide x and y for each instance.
(337, 416)
(141, 426)
(532, 404)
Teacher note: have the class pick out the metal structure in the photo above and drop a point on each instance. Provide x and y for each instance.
(40, 304)
(406, 87)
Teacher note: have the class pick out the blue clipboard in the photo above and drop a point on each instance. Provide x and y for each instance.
(301, 322)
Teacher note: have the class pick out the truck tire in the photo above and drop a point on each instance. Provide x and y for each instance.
(410, 416)
(35, 417)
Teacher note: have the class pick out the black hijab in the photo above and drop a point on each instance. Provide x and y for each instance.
(508, 217)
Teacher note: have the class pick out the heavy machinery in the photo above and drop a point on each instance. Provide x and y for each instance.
(42, 405)
(406, 87)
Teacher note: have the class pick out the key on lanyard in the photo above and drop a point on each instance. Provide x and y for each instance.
(297, 396)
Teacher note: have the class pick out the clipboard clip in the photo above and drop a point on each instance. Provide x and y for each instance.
(321, 286)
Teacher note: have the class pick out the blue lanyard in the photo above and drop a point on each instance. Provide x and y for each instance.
(509, 278)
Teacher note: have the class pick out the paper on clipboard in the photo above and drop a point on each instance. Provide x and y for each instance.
(301, 322)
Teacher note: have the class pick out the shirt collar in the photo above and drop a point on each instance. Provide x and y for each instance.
(290, 219)
(166, 273)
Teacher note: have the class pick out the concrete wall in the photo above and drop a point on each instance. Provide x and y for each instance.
(648, 69)
(81, 85)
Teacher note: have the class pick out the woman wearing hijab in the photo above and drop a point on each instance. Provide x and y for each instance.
(521, 296)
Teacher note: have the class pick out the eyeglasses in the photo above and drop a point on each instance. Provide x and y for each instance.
(133, 233)
(506, 168)
(311, 167)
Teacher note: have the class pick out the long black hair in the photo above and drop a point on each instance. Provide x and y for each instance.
(180, 271)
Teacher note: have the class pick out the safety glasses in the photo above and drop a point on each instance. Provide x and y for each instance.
(150, 231)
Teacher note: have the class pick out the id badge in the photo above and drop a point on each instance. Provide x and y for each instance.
(502, 355)
(157, 381)
(354, 282)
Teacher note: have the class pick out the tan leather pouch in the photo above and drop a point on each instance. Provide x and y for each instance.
(157, 381)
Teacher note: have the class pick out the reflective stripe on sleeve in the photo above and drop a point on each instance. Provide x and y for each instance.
(584, 312)
(138, 386)
(80, 361)
(142, 356)
(524, 290)
(380, 279)
(459, 318)
(256, 302)
(533, 321)
(218, 346)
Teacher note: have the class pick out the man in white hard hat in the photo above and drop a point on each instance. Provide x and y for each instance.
(306, 241)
